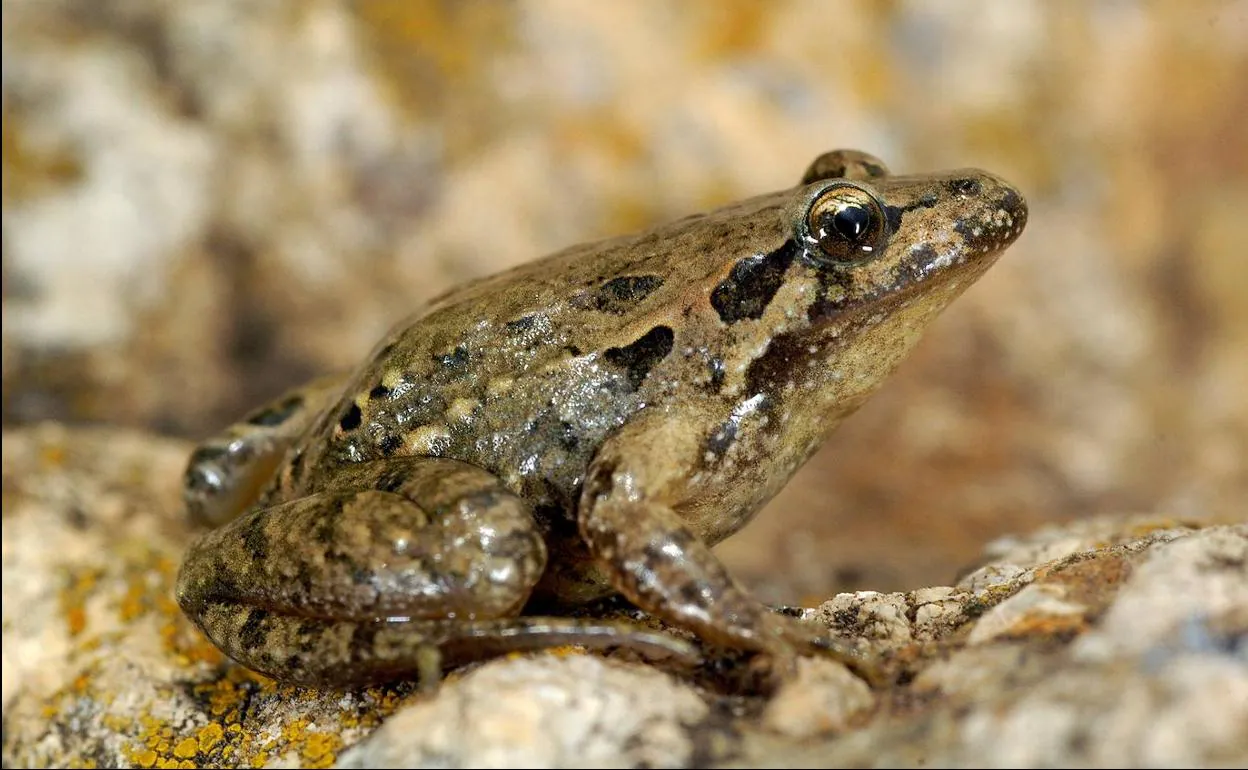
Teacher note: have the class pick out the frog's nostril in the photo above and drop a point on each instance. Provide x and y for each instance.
(966, 186)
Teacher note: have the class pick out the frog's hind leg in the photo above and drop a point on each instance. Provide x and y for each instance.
(226, 473)
(346, 653)
(395, 564)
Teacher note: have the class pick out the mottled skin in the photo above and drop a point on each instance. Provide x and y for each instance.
(588, 423)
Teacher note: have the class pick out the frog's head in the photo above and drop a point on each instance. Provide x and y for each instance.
(879, 256)
(878, 240)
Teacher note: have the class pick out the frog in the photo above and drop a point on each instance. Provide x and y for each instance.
(585, 425)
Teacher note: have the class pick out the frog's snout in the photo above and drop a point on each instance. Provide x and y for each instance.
(1001, 218)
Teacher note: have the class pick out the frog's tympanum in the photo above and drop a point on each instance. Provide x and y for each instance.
(587, 424)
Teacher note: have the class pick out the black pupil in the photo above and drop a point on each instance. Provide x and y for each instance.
(851, 222)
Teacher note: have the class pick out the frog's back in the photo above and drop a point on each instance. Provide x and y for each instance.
(525, 372)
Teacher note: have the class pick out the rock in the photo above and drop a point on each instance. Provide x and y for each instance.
(545, 711)
(824, 697)
(1114, 641)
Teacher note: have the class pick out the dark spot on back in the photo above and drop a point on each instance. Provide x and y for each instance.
(276, 414)
(640, 357)
(352, 418)
(389, 444)
(618, 295)
(522, 324)
(752, 284)
(380, 391)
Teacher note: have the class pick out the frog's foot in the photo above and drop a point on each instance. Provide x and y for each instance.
(344, 653)
(814, 639)
(654, 560)
(226, 473)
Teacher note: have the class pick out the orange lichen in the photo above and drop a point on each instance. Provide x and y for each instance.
(73, 597)
(52, 454)
(31, 169)
(733, 27)
(435, 58)
(134, 603)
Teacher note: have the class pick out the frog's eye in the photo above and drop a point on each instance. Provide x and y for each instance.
(847, 223)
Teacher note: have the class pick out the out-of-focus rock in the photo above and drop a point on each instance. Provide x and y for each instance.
(575, 711)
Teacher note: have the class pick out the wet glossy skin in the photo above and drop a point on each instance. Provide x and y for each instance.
(587, 423)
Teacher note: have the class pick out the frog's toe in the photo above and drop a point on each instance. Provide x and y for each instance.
(812, 639)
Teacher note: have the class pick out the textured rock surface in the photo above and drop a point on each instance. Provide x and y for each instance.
(208, 200)
(1114, 641)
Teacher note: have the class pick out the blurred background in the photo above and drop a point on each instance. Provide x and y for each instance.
(207, 201)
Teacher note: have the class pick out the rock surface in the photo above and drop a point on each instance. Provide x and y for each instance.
(1109, 642)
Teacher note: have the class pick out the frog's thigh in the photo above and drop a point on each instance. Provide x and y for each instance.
(414, 537)
(226, 473)
(401, 566)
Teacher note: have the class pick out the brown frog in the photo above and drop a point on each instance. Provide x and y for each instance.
(588, 423)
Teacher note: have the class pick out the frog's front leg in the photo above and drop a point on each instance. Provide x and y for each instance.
(226, 473)
(397, 568)
(628, 516)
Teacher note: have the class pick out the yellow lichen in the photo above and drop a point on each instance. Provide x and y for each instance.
(209, 736)
(186, 748)
(321, 749)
